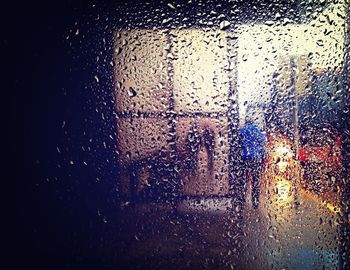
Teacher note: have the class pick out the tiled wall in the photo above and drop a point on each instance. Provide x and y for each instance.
(171, 85)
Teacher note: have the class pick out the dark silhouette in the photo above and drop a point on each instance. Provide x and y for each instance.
(252, 142)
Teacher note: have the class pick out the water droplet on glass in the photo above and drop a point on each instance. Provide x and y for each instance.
(132, 92)
(224, 25)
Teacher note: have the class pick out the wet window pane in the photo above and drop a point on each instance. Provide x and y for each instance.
(243, 165)
(189, 135)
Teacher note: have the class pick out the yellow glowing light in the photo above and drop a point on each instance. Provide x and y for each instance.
(283, 188)
(281, 155)
(283, 151)
(282, 166)
(332, 208)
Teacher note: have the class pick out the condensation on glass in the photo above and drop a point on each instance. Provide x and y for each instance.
(184, 96)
